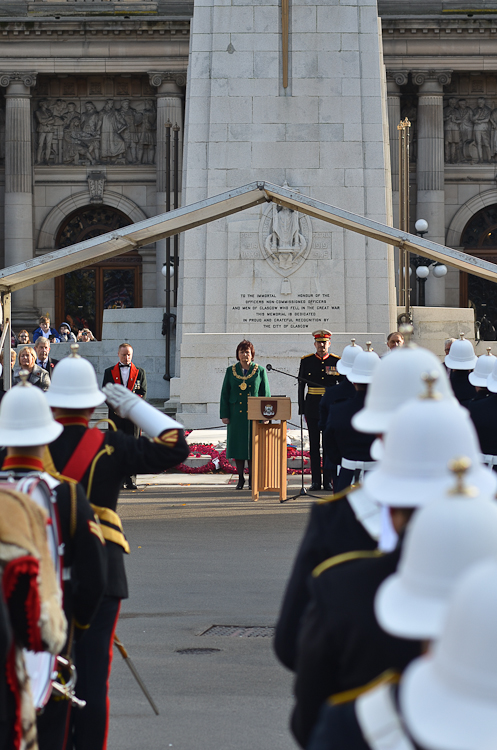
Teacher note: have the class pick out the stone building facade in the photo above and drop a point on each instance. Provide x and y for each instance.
(86, 92)
(442, 74)
(86, 89)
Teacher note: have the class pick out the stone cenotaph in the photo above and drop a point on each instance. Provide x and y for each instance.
(292, 92)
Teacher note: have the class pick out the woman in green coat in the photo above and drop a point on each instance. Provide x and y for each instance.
(244, 379)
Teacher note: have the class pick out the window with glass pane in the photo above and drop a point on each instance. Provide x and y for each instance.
(119, 288)
(80, 299)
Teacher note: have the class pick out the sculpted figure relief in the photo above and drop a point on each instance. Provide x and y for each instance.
(89, 133)
(481, 130)
(452, 121)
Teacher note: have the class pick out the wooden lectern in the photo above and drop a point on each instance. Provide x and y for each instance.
(269, 444)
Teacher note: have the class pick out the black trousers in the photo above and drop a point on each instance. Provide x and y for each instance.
(53, 724)
(314, 445)
(93, 664)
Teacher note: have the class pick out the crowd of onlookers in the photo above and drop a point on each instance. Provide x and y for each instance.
(34, 351)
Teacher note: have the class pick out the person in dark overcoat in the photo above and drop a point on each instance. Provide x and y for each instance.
(242, 380)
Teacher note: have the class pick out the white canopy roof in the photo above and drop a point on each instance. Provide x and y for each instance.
(142, 233)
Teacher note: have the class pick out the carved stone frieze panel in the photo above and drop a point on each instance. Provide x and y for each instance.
(470, 119)
(94, 120)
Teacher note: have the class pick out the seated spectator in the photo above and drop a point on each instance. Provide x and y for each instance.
(45, 330)
(13, 357)
(23, 337)
(86, 335)
(43, 358)
(37, 375)
(66, 333)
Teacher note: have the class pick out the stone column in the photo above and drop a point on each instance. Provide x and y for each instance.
(430, 203)
(170, 88)
(19, 186)
(395, 79)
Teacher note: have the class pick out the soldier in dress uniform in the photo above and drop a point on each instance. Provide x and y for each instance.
(446, 698)
(341, 646)
(317, 371)
(83, 557)
(461, 360)
(344, 444)
(133, 378)
(350, 520)
(100, 461)
(484, 415)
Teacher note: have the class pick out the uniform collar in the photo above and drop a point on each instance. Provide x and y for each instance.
(321, 359)
(69, 420)
(23, 462)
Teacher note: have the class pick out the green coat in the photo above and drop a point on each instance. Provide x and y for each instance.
(234, 407)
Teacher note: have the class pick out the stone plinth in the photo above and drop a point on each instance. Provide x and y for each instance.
(432, 325)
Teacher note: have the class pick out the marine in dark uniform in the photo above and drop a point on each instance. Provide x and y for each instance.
(484, 415)
(317, 372)
(135, 380)
(100, 461)
(333, 529)
(341, 646)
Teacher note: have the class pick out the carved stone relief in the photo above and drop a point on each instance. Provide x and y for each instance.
(285, 239)
(79, 131)
(470, 119)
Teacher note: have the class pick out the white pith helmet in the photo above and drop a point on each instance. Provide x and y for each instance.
(448, 698)
(344, 365)
(74, 384)
(442, 542)
(424, 436)
(492, 379)
(364, 366)
(483, 368)
(396, 380)
(461, 355)
(25, 417)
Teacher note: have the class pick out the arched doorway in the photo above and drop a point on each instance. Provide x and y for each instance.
(81, 296)
(479, 238)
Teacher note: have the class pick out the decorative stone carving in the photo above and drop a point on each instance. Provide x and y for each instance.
(452, 122)
(27, 78)
(285, 239)
(158, 78)
(470, 133)
(85, 132)
(96, 185)
(481, 129)
(400, 77)
(442, 77)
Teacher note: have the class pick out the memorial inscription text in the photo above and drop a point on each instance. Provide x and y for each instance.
(302, 311)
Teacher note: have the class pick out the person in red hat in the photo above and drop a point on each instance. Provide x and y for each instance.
(317, 372)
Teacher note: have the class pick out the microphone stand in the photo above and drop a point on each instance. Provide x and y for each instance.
(303, 492)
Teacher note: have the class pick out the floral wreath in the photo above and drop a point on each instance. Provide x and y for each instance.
(219, 463)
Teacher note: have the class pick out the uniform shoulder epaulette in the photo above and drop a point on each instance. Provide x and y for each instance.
(332, 562)
(338, 495)
(307, 355)
(337, 356)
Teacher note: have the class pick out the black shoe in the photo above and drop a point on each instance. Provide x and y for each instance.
(241, 484)
(315, 486)
(250, 486)
(328, 487)
(132, 486)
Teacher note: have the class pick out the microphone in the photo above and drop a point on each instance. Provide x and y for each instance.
(269, 368)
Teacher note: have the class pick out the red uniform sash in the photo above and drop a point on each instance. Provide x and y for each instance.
(133, 374)
(85, 452)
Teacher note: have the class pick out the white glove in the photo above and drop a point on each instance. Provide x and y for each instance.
(130, 406)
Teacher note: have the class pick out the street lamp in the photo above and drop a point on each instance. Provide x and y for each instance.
(421, 227)
(422, 273)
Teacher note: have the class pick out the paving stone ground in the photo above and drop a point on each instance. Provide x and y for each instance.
(204, 555)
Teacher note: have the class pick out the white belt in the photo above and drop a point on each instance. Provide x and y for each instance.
(488, 459)
(362, 465)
